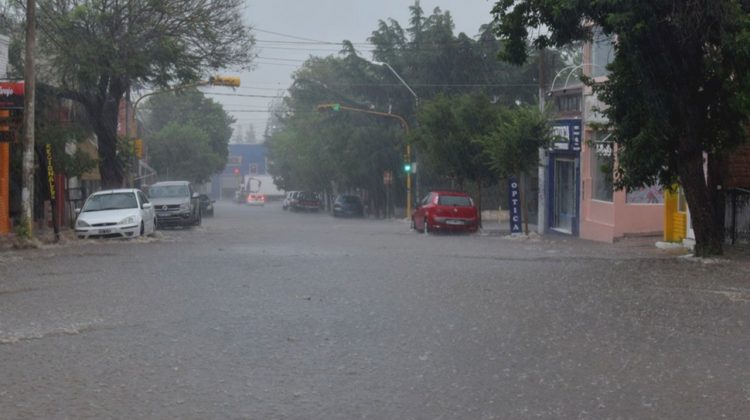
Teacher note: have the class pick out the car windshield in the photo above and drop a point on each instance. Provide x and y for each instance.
(168, 191)
(454, 200)
(349, 199)
(114, 201)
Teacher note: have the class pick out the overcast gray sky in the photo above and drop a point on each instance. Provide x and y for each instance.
(277, 22)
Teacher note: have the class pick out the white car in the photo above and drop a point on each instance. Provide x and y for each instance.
(256, 199)
(122, 213)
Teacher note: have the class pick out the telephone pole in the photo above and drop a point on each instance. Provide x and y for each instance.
(27, 192)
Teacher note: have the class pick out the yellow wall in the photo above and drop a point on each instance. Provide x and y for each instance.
(675, 221)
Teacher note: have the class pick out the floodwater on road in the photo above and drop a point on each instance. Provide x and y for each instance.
(266, 314)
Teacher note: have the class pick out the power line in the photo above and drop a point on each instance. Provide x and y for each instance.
(287, 35)
(242, 95)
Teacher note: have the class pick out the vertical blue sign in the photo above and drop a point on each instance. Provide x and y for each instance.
(515, 205)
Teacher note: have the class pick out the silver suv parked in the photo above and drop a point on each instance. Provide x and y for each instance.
(175, 203)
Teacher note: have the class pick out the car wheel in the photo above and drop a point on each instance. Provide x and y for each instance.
(143, 228)
(413, 225)
(426, 227)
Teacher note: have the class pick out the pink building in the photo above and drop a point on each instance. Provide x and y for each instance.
(577, 196)
(607, 214)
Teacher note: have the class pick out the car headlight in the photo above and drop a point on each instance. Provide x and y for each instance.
(185, 206)
(127, 221)
(81, 223)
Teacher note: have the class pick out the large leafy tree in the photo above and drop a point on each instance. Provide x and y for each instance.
(190, 109)
(449, 132)
(183, 152)
(678, 88)
(97, 50)
(341, 150)
(434, 62)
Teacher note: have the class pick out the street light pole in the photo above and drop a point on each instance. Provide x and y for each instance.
(408, 145)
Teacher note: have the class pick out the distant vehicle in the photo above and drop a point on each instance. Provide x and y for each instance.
(250, 185)
(289, 198)
(255, 199)
(207, 205)
(176, 203)
(306, 201)
(445, 211)
(121, 213)
(348, 205)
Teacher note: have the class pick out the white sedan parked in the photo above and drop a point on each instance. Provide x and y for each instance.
(123, 213)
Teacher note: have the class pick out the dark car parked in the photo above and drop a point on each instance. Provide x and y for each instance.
(176, 203)
(306, 201)
(207, 205)
(348, 205)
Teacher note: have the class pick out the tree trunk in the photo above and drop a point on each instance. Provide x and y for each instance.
(104, 123)
(705, 200)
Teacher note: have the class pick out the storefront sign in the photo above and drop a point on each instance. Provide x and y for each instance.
(567, 135)
(603, 149)
(50, 171)
(11, 95)
(515, 206)
(387, 177)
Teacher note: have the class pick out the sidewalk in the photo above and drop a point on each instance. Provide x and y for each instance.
(41, 237)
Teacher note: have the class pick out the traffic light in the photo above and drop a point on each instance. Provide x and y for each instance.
(138, 148)
(231, 81)
(328, 107)
(407, 167)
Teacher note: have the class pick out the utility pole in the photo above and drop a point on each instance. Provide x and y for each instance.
(27, 192)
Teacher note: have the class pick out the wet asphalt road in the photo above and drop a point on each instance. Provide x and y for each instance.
(265, 314)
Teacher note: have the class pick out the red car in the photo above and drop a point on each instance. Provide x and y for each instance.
(445, 211)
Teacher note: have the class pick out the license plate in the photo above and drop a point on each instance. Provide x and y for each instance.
(454, 222)
(105, 231)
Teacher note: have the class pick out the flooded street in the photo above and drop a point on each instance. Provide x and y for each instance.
(266, 314)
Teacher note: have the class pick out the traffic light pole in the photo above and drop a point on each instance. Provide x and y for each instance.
(404, 124)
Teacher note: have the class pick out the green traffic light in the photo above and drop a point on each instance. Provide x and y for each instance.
(336, 107)
(407, 167)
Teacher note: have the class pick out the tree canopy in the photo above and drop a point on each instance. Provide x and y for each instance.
(97, 50)
(679, 87)
(352, 150)
(202, 153)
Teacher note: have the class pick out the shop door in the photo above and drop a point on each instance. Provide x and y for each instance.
(564, 198)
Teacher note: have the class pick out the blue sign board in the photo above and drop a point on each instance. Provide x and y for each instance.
(567, 135)
(515, 206)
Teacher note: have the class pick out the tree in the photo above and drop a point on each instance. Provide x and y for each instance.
(192, 108)
(449, 132)
(124, 45)
(193, 111)
(435, 62)
(512, 144)
(679, 87)
(183, 152)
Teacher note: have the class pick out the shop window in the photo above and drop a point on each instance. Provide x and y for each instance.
(568, 103)
(602, 52)
(602, 166)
